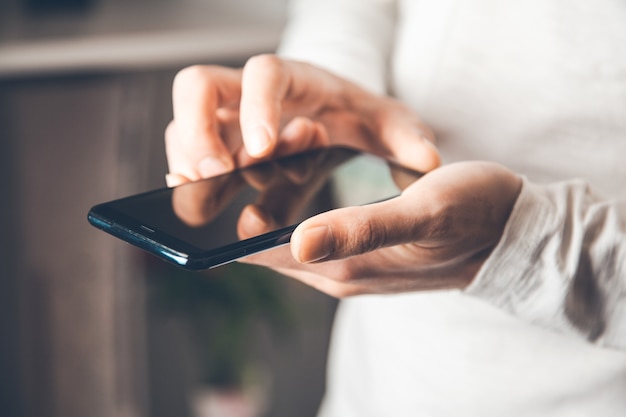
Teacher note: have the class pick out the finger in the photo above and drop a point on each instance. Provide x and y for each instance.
(353, 231)
(173, 180)
(455, 211)
(194, 146)
(264, 85)
(301, 134)
(408, 141)
(229, 130)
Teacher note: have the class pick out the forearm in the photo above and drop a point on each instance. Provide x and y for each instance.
(561, 263)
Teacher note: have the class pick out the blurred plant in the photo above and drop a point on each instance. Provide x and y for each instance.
(225, 307)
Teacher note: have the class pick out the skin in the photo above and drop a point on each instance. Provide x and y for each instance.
(436, 235)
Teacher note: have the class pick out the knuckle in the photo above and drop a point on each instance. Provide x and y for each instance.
(264, 61)
(190, 75)
(368, 235)
(195, 77)
(343, 273)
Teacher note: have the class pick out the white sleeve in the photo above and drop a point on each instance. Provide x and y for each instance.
(561, 263)
(351, 38)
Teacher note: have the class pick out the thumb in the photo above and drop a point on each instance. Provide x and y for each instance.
(346, 232)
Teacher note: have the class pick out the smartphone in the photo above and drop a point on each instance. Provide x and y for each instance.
(199, 225)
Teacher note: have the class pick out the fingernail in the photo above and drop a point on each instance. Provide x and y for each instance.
(211, 166)
(316, 244)
(173, 180)
(259, 142)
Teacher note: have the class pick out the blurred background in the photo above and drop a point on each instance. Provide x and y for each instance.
(90, 326)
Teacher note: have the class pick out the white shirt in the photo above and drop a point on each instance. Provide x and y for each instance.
(539, 86)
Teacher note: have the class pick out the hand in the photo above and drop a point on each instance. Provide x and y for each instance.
(225, 118)
(436, 235)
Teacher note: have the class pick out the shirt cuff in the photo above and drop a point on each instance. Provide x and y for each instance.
(521, 275)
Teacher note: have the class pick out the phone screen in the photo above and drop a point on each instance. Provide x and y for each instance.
(198, 225)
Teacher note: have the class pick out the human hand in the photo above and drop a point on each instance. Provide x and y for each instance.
(435, 235)
(225, 118)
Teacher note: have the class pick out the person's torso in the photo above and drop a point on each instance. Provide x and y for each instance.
(539, 86)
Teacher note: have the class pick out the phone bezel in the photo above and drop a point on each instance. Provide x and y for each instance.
(175, 250)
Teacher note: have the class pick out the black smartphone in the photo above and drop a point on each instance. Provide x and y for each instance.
(198, 225)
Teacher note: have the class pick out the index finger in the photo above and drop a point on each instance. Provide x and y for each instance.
(264, 86)
(198, 92)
